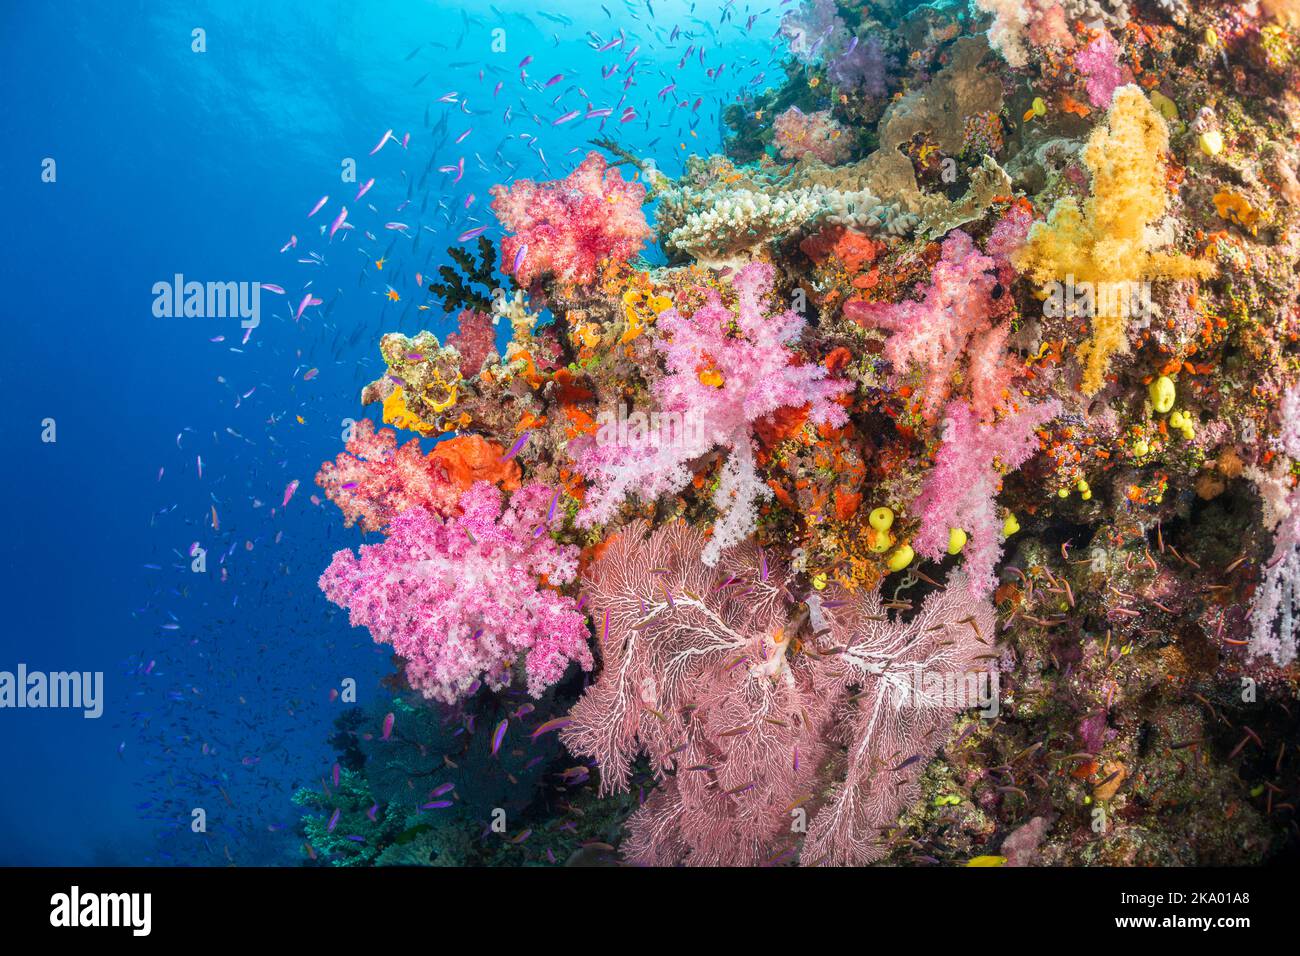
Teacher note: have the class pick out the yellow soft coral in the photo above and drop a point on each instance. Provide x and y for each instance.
(1104, 241)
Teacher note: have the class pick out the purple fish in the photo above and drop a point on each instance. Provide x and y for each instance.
(499, 735)
(314, 209)
(337, 223)
(389, 720)
(519, 258)
(334, 821)
(365, 188)
(514, 449)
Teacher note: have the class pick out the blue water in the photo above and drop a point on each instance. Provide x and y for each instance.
(173, 161)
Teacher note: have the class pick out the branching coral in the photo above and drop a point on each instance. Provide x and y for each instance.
(457, 290)
(459, 598)
(568, 227)
(1105, 240)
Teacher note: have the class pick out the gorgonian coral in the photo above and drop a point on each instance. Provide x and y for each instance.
(461, 598)
(567, 227)
(725, 369)
(700, 672)
(819, 136)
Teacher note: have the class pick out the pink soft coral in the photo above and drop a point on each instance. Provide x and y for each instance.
(932, 335)
(1100, 65)
(567, 227)
(475, 340)
(797, 134)
(459, 599)
(374, 479)
(959, 492)
(725, 369)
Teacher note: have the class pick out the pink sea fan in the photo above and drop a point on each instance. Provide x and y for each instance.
(475, 340)
(460, 598)
(699, 673)
(959, 492)
(1099, 63)
(373, 480)
(899, 687)
(725, 369)
(931, 335)
(567, 227)
(695, 673)
(797, 134)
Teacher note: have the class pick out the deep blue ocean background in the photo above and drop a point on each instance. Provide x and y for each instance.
(173, 161)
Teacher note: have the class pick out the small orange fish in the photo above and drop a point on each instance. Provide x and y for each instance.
(393, 296)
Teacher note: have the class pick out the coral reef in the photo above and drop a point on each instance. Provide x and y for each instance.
(934, 502)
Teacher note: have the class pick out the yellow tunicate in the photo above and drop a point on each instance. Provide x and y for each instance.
(819, 581)
(1164, 105)
(878, 542)
(1211, 142)
(1010, 526)
(1063, 493)
(901, 558)
(1141, 448)
(1188, 431)
(1176, 420)
(882, 519)
(1039, 107)
(956, 540)
(1081, 486)
(1087, 496)
(1163, 394)
(448, 402)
